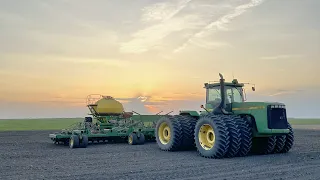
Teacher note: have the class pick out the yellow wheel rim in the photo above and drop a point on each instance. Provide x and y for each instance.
(206, 136)
(164, 133)
(130, 140)
(71, 142)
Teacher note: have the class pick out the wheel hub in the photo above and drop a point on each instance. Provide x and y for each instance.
(164, 133)
(206, 137)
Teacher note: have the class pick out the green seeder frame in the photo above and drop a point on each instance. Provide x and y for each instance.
(99, 131)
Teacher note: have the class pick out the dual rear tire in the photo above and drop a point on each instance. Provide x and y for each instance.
(175, 133)
(219, 136)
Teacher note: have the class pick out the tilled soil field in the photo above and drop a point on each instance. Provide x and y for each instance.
(31, 155)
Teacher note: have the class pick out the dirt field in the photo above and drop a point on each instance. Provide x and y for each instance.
(31, 155)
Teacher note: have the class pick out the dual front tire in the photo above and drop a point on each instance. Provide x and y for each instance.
(273, 144)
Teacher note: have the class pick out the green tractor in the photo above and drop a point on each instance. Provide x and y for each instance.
(228, 126)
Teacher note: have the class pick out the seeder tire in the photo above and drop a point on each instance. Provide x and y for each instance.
(66, 142)
(141, 139)
(188, 124)
(211, 136)
(289, 141)
(263, 145)
(74, 141)
(169, 134)
(246, 137)
(133, 139)
(84, 143)
(234, 135)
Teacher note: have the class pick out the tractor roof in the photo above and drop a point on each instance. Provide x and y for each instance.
(233, 83)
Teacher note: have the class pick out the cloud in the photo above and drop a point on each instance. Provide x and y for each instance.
(226, 19)
(105, 62)
(13, 63)
(284, 56)
(138, 104)
(284, 92)
(51, 28)
(9, 18)
(161, 20)
(191, 21)
(163, 11)
(218, 25)
(205, 44)
(152, 104)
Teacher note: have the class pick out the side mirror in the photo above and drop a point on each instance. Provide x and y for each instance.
(253, 89)
(204, 108)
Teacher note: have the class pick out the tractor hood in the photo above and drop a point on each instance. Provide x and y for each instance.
(247, 106)
(269, 117)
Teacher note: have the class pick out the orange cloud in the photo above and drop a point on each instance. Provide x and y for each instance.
(152, 109)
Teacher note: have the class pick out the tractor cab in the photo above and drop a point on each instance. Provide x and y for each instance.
(233, 92)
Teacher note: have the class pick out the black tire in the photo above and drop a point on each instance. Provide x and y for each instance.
(289, 140)
(280, 142)
(246, 136)
(141, 139)
(221, 142)
(263, 145)
(188, 124)
(74, 141)
(170, 126)
(66, 142)
(84, 142)
(234, 134)
(133, 139)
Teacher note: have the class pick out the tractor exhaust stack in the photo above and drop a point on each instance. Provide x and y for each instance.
(221, 109)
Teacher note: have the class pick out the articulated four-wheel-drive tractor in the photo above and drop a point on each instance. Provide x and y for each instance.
(228, 126)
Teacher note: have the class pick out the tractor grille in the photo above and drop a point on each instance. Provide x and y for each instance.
(277, 117)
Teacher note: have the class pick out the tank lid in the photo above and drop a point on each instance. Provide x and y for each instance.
(107, 97)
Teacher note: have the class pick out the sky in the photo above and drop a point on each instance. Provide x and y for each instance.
(55, 53)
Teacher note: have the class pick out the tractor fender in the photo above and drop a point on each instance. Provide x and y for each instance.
(194, 114)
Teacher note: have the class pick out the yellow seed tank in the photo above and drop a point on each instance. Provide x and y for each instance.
(108, 106)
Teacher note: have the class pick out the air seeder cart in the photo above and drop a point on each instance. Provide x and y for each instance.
(109, 123)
